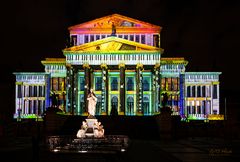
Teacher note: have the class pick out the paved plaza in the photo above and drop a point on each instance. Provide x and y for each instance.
(187, 150)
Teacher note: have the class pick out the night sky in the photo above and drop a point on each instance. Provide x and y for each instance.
(206, 33)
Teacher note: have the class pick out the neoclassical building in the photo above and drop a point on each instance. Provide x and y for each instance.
(122, 60)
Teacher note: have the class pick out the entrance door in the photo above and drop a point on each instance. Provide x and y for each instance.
(114, 105)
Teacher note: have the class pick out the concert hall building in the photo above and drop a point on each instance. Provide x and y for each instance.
(122, 60)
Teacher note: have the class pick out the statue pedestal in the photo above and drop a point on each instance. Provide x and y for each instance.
(90, 129)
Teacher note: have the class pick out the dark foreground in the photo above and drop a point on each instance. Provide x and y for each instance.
(24, 149)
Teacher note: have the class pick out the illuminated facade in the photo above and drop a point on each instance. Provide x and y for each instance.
(121, 59)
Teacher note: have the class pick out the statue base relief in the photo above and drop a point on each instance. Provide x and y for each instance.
(91, 128)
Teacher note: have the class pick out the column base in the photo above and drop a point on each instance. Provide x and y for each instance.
(85, 114)
(139, 113)
(103, 113)
(121, 113)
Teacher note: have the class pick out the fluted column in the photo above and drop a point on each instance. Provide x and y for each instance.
(157, 82)
(87, 85)
(69, 88)
(104, 96)
(122, 88)
(139, 90)
(75, 91)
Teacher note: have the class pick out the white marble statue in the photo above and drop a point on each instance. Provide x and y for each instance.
(92, 101)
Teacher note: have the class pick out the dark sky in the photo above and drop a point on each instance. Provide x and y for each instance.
(205, 32)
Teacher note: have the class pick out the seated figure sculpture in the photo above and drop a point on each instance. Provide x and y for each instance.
(81, 132)
(98, 130)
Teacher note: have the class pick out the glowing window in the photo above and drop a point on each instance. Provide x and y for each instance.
(146, 85)
(130, 84)
(114, 84)
(98, 84)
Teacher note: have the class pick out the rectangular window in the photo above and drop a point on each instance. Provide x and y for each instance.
(120, 36)
(97, 37)
(188, 91)
(203, 91)
(30, 91)
(215, 91)
(91, 38)
(131, 37)
(198, 91)
(55, 84)
(174, 84)
(82, 83)
(193, 110)
(103, 36)
(19, 94)
(61, 84)
(86, 40)
(35, 91)
(169, 87)
(126, 37)
(73, 40)
(137, 38)
(98, 83)
(193, 91)
(163, 84)
(189, 109)
(143, 39)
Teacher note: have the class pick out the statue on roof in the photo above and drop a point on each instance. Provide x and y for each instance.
(113, 29)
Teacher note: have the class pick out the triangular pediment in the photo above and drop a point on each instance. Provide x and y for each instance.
(111, 44)
(119, 21)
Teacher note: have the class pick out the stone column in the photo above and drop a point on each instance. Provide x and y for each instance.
(69, 88)
(104, 108)
(157, 82)
(122, 88)
(139, 90)
(87, 85)
(75, 91)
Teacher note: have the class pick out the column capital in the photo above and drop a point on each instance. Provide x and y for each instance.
(103, 65)
(86, 65)
(139, 65)
(68, 65)
(157, 65)
(121, 65)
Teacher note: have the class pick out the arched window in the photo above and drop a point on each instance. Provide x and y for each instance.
(130, 84)
(130, 105)
(146, 105)
(82, 83)
(114, 84)
(146, 85)
(114, 105)
(99, 104)
(82, 103)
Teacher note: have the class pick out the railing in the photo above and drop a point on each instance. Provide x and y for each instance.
(72, 144)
